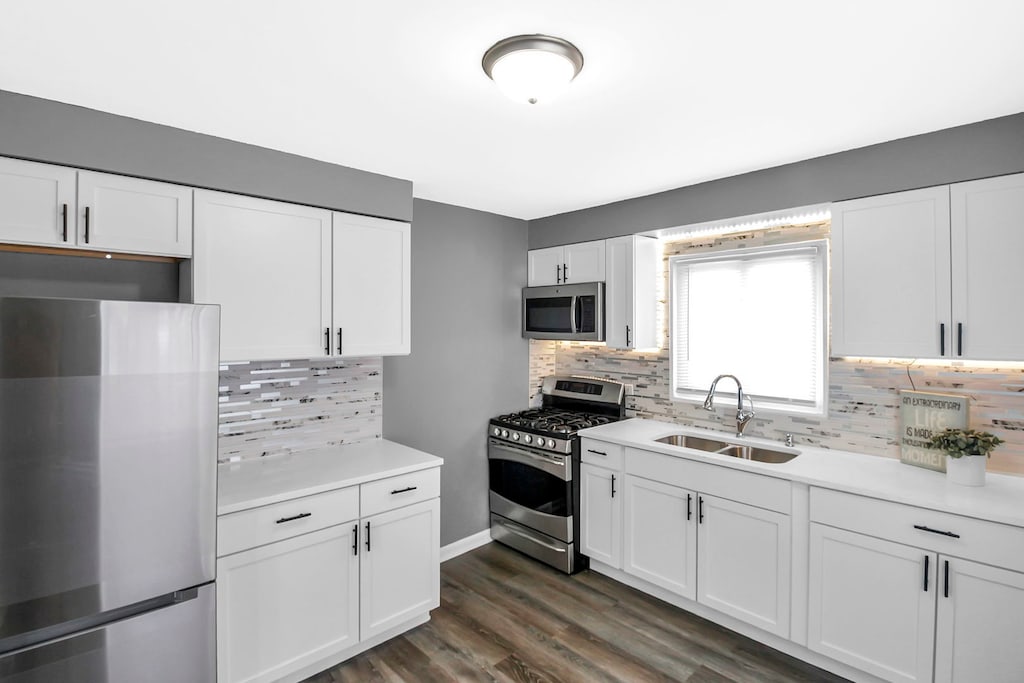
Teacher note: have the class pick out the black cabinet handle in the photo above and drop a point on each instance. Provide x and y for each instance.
(689, 506)
(301, 515)
(613, 486)
(945, 580)
(959, 339)
(327, 340)
(627, 335)
(87, 225)
(367, 537)
(591, 450)
(558, 274)
(355, 539)
(942, 339)
(339, 341)
(565, 272)
(700, 509)
(926, 559)
(407, 488)
(65, 214)
(921, 527)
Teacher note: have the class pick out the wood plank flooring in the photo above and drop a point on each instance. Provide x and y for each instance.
(507, 618)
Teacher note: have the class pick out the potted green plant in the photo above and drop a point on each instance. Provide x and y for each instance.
(966, 451)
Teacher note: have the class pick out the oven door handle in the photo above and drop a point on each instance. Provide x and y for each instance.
(530, 537)
(572, 314)
(502, 451)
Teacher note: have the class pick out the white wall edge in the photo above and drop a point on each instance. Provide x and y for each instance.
(465, 545)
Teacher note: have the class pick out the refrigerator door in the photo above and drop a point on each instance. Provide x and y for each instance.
(170, 645)
(108, 436)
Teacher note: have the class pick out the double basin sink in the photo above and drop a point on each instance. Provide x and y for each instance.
(755, 453)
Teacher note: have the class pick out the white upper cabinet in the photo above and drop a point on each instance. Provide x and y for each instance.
(268, 265)
(116, 213)
(572, 263)
(630, 318)
(890, 275)
(988, 280)
(371, 304)
(38, 203)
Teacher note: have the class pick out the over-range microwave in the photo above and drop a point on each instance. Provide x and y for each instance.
(569, 312)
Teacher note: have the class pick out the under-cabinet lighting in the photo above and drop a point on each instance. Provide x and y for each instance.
(933, 362)
(803, 215)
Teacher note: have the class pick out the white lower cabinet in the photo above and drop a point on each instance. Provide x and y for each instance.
(660, 535)
(601, 514)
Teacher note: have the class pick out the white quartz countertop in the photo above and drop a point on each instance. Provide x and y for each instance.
(252, 483)
(1000, 500)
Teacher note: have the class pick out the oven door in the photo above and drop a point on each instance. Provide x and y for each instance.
(532, 488)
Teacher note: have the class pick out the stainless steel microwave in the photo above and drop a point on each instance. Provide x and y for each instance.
(569, 312)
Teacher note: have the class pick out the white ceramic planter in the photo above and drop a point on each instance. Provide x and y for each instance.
(968, 470)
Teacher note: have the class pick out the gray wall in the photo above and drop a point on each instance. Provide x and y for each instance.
(53, 132)
(469, 361)
(977, 150)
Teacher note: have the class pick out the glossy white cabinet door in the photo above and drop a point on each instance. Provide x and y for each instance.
(117, 213)
(988, 280)
(400, 566)
(544, 266)
(36, 202)
(268, 265)
(890, 275)
(868, 605)
(286, 605)
(371, 286)
(660, 535)
(980, 626)
(630, 317)
(583, 262)
(743, 562)
(601, 514)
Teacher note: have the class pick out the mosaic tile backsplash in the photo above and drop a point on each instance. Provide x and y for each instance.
(863, 412)
(279, 407)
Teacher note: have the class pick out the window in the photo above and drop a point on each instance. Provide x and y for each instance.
(759, 314)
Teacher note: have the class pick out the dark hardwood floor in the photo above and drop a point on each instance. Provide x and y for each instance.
(504, 617)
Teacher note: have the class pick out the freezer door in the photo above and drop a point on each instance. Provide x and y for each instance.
(175, 644)
(108, 436)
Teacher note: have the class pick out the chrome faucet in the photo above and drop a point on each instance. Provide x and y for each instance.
(743, 416)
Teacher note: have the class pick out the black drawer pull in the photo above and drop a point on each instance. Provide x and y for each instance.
(301, 515)
(407, 488)
(591, 450)
(936, 531)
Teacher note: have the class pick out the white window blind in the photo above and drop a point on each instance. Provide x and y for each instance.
(757, 313)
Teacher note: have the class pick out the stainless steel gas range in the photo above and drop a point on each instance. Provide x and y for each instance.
(534, 458)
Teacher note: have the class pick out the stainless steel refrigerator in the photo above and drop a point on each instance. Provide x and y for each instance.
(108, 437)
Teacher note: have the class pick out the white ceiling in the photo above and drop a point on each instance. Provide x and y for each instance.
(672, 93)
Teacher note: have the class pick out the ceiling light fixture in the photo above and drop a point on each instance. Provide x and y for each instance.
(532, 68)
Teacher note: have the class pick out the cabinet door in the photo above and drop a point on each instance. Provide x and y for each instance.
(631, 298)
(890, 275)
(400, 566)
(544, 266)
(601, 515)
(988, 282)
(871, 603)
(286, 605)
(583, 262)
(743, 562)
(979, 628)
(117, 213)
(661, 535)
(268, 265)
(38, 201)
(371, 286)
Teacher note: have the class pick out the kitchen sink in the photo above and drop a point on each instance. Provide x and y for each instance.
(697, 442)
(755, 453)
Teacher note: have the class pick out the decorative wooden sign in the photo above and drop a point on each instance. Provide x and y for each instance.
(923, 414)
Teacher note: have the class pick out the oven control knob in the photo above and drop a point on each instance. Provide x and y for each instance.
(551, 443)
(527, 438)
(515, 436)
(504, 433)
(497, 431)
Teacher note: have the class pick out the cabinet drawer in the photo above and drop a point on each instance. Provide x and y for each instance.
(395, 492)
(601, 453)
(988, 542)
(258, 526)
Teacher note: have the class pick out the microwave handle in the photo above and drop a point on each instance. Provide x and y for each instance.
(572, 314)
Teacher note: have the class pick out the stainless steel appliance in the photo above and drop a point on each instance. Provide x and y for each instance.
(569, 312)
(108, 437)
(534, 461)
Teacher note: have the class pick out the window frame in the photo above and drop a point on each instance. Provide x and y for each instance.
(763, 404)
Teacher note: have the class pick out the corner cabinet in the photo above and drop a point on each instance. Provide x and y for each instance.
(581, 262)
(930, 273)
(299, 282)
(55, 206)
(631, 303)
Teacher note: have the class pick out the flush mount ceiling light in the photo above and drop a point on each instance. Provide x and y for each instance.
(532, 68)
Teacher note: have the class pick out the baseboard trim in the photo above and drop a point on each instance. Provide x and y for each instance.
(465, 545)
